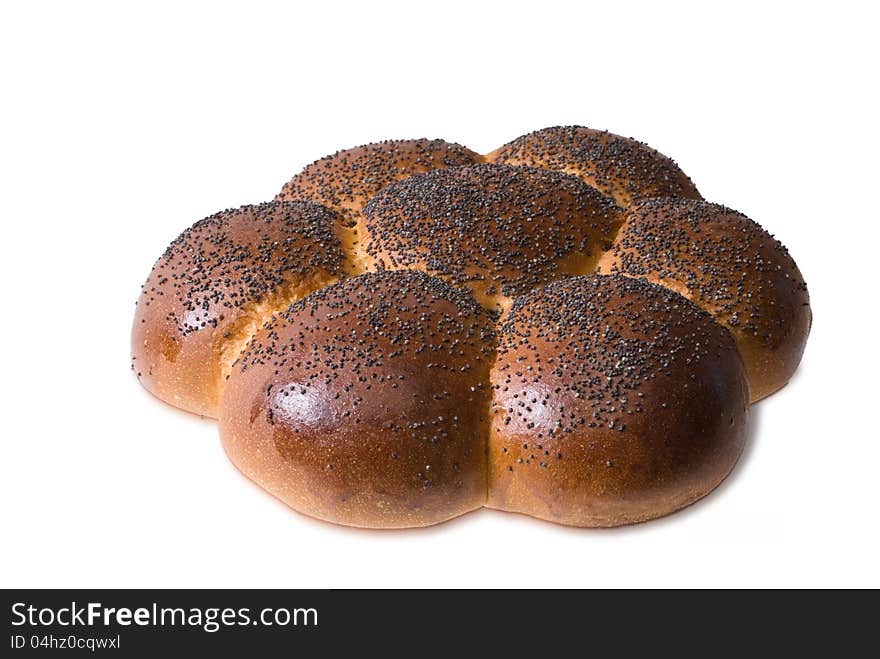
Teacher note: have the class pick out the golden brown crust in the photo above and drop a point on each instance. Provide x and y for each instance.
(214, 285)
(728, 265)
(615, 401)
(367, 403)
(621, 167)
(499, 230)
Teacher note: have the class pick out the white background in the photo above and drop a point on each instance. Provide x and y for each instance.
(120, 127)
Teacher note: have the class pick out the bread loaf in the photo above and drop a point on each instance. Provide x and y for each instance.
(410, 331)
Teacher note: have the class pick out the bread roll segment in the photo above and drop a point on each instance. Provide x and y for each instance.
(498, 230)
(346, 180)
(728, 265)
(214, 286)
(621, 167)
(367, 403)
(614, 401)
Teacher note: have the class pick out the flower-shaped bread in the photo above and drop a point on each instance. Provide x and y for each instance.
(411, 331)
